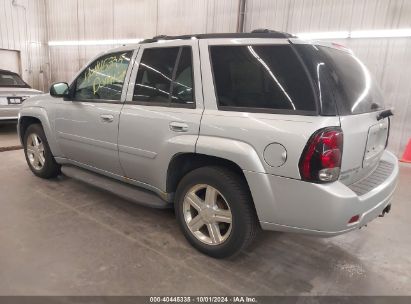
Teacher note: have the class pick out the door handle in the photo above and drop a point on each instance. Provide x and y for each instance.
(178, 126)
(107, 118)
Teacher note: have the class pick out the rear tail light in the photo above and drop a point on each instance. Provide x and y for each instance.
(321, 158)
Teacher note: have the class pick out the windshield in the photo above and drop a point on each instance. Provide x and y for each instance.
(8, 79)
(344, 83)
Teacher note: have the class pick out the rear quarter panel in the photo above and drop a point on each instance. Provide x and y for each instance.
(256, 131)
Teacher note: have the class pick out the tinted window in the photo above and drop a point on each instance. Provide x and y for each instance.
(344, 82)
(182, 91)
(267, 77)
(104, 78)
(165, 76)
(356, 91)
(155, 74)
(11, 80)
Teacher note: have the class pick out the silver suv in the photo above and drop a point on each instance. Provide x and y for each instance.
(237, 131)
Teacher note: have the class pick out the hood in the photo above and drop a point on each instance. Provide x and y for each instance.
(18, 92)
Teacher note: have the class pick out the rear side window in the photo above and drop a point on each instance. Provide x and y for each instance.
(104, 78)
(182, 86)
(261, 78)
(165, 77)
(154, 75)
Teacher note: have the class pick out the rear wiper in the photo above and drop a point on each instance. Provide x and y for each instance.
(384, 114)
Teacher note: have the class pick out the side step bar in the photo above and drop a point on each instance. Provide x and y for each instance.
(123, 190)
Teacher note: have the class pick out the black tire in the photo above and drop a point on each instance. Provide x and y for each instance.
(50, 168)
(235, 191)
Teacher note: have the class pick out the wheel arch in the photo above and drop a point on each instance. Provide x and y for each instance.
(32, 115)
(213, 151)
(183, 163)
(239, 152)
(24, 123)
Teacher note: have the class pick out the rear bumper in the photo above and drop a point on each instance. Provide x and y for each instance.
(285, 204)
(9, 112)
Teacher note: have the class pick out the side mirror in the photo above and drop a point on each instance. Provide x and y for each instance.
(60, 89)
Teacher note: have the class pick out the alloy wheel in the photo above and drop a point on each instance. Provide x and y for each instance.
(207, 214)
(35, 152)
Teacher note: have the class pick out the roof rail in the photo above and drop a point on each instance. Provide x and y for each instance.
(258, 33)
(160, 37)
(165, 37)
(261, 31)
(268, 31)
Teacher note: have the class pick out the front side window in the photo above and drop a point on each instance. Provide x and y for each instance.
(261, 77)
(165, 77)
(104, 78)
(8, 79)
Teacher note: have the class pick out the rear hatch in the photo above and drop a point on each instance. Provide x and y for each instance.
(347, 89)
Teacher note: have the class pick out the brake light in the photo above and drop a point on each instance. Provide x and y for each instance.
(320, 161)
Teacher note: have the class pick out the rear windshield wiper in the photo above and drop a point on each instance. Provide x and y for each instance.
(384, 114)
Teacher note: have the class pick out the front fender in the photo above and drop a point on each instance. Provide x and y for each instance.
(241, 153)
(48, 127)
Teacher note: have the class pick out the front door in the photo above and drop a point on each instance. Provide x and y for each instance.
(87, 123)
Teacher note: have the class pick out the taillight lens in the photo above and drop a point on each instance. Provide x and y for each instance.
(321, 158)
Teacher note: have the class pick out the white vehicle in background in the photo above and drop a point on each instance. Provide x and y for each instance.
(13, 92)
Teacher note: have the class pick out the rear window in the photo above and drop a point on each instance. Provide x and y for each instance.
(345, 85)
(11, 80)
(261, 78)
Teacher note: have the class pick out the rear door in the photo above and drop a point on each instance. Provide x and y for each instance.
(87, 123)
(162, 113)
